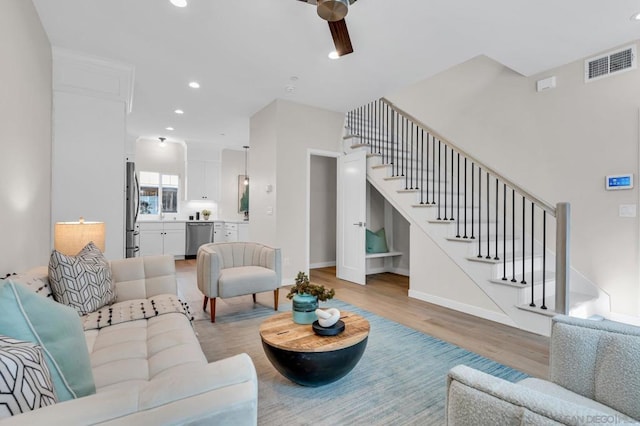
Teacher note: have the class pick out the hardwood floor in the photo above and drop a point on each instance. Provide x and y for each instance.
(386, 295)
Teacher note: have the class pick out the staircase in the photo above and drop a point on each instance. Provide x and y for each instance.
(513, 245)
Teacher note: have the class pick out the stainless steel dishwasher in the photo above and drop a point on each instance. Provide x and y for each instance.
(198, 233)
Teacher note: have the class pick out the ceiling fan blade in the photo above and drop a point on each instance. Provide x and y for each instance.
(341, 38)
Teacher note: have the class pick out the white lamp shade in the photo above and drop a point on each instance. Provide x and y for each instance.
(71, 237)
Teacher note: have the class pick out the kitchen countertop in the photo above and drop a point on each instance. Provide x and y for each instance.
(189, 221)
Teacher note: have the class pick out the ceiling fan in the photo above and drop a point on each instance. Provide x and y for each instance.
(334, 12)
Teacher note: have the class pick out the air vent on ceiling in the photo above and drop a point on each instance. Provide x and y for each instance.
(610, 63)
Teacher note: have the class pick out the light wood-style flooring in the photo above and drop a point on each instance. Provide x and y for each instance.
(386, 295)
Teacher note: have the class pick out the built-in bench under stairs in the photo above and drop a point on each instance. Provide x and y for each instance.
(512, 245)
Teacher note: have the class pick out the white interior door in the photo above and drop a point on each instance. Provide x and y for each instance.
(351, 226)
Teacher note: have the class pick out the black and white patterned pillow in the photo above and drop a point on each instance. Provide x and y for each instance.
(25, 381)
(83, 281)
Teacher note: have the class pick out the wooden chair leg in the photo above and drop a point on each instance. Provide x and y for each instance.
(204, 305)
(276, 293)
(254, 298)
(213, 309)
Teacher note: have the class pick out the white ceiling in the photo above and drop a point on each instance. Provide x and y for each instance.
(244, 52)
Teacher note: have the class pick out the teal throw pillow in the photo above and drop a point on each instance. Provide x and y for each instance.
(57, 329)
(377, 241)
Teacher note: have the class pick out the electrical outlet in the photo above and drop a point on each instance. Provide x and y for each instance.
(287, 261)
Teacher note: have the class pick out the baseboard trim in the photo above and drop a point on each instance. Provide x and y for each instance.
(322, 265)
(382, 269)
(463, 307)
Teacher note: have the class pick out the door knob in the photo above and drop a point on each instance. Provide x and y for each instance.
(360, 224)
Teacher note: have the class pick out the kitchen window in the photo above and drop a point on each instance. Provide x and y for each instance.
(158, 193)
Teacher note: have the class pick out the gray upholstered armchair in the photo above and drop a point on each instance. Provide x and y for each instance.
(235, 269)
(594, 379)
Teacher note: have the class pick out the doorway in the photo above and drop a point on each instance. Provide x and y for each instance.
(322, 211)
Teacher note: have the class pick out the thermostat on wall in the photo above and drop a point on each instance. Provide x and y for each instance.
(619, 182)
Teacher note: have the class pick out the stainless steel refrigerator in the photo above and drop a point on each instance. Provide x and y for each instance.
(132, 196)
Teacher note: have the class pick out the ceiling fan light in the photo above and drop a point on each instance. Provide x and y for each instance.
(333, 55)
(179, 3)
(333, 10)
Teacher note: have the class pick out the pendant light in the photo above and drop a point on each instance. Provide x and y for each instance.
(246, 176)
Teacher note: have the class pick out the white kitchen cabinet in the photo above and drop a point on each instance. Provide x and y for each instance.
(203, 180)
(243, 232)
(162, 238)
(234, 231)
(230, 232)
(218, 232)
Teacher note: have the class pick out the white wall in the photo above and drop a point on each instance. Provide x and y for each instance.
(263, 171)
(90, 102)
(167, 158)
(322, 211)
(281, 135)
(25, 138)
(88, 165)
(437, 279)
(232, 166)
(558, 144)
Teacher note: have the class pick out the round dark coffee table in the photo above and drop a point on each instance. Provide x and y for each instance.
(308, 359)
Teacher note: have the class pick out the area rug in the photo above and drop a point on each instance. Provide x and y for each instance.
(400, 379)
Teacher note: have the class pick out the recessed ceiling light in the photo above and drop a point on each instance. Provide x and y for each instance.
(334, 55)
(179, 111)
(635, 17)
(179, 3)
(194, 85)
(169, 128)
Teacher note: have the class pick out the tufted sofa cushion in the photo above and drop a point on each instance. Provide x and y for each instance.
(138, 351)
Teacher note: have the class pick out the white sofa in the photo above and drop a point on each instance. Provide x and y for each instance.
(594, 380)
(151, 371)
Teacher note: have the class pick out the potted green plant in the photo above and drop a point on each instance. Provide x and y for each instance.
(206, 213)
(305, 296)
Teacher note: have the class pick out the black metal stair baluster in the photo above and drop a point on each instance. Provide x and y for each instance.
(411, 159)
(465, 199)
(392, 138)
(433, 169)
(439, 158)
(544, 259)
(369, 126)
(458, 211)
(472, 200)
(488, 220)
(373, 128)
(427, 167)
(504, 232)
(422, 167)
(362, 123)
(451, 217)
(366, 128)
(532, 304)
(524, 208)
(480, 212)
(404, 153)
(418, 163)
(378, 127)
(513, 236)
(388, 138)
(445, 183)
(497, 221)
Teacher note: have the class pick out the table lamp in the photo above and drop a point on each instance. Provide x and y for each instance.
(71, 237)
